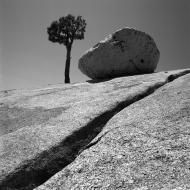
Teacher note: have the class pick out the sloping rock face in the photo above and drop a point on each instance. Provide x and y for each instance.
(145, 146)
(126, 52)
(44, 130)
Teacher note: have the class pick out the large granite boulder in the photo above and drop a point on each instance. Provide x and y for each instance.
(126, 52)
(44, 130)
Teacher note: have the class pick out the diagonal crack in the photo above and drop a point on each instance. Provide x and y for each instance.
(51, 161)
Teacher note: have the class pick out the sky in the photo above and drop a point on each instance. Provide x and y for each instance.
(28, 59)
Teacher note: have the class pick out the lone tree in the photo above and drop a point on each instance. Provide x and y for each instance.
(65, 31)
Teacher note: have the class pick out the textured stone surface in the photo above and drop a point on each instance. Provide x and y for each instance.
(126, 52)
(145, 146)
(43, 130)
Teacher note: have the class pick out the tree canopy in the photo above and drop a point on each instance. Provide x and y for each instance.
(67, 29)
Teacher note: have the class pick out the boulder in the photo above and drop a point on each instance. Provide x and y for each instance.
(43, 130)
(145, 146)
(125, 52)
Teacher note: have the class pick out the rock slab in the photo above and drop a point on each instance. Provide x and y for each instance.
(43, 130)
(125, 52)
(145, 146)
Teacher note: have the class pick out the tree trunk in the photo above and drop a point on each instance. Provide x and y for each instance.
(67, 65)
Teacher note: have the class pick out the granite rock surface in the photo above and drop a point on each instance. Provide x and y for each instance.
(145, 146)
(42, 131)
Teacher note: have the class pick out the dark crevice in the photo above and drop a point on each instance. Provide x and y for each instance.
(92, 143)
(49, 162)
(142, 60)
(171, 78)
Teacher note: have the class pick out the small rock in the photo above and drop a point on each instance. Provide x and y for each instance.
(125, 52)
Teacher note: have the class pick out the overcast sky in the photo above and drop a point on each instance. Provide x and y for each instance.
(28, 59)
